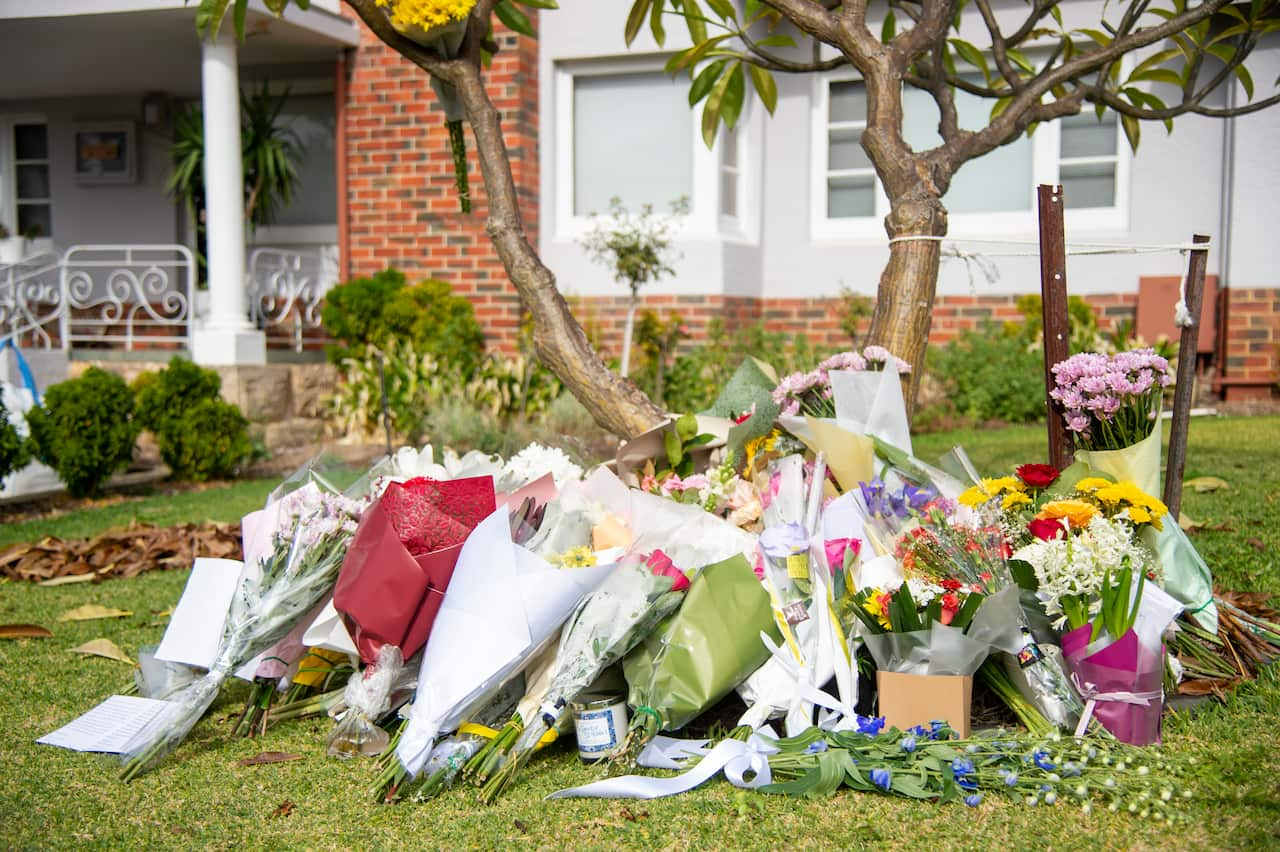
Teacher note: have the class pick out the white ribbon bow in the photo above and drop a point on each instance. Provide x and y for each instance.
(1089, 692)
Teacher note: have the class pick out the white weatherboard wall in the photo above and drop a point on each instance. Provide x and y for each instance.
(1175, 188)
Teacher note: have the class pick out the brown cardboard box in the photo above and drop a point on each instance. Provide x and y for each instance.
(910, 699)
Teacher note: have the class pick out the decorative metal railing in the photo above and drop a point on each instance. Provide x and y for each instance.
(286, 290)
(31, 301)
(122, 295)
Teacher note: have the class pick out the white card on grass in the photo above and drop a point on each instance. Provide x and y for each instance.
(195, 629)
(108, 727)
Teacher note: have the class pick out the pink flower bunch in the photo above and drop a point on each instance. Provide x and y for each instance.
(1112, 401)
(810, 393)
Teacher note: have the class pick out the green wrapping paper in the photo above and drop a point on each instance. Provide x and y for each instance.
(698, 655)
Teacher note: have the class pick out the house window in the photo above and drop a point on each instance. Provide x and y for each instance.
(315, 196)
(990, 194)
(31, 193)
(631, 137)
(1088, 159)
(731, 172)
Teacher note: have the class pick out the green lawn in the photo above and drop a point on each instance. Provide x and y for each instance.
(200, 798)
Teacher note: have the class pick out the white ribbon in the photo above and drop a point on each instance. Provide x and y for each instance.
(734, 757)
(1089, 692)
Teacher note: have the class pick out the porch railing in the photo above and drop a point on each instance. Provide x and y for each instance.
(31, 301)
(118, 295)
(286, 291)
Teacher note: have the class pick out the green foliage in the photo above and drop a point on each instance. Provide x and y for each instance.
(990, 374)
(418, 385)
(854, 308)
(163, 398)
(1082, 323)
(14, 452)
(212, 442)
(636, 247)
(697, 376)
(438, 323)
(200, 435)
(85, 429)
(657, 339)
(366, 312)
(271, 153)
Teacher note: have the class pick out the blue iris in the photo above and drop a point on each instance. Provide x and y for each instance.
(973, 799)
(939, 728)
(870, 725)
(908, 744)
(1011, 779)
(881, 778)
(919, 731)
(815, 747)
(961, 769)
(1041, 759)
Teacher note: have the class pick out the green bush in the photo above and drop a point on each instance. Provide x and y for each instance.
(14, 452)
(212, 442)
(200, 436)
(991, 374)
(85, 429)
(367, 312)
(352, 312)
(163, 398)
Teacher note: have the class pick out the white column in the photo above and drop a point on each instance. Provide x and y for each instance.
(226, 337)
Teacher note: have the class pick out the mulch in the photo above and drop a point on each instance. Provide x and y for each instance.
(119, 553)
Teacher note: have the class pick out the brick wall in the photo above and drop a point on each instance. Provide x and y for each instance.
(1252, 348)
(402, 205)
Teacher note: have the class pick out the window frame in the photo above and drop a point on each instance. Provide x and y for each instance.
(1046, 158)
(703, 220)
(9, 175)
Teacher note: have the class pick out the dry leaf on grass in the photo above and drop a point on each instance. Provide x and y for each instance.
(1202, 484)
(70, 578)
(120, 553)
(269, 757)
(93, 612)
(103, 648)
(283, 809)
(24, 631)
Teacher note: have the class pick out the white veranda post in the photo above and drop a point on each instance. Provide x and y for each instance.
(226, 336)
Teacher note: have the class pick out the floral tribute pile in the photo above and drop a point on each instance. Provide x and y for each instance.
(457, 617)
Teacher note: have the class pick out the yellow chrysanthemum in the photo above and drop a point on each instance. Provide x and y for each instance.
(1004, 484)
(426, 13)
(988, 488)
(1092, 483)
(577, 557)
(1077, 513)
(1014, 499)
(973, 497)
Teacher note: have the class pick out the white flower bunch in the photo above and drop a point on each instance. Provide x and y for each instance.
(536, 460)
(1075, 566)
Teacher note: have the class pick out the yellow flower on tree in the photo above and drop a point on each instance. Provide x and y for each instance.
(1077, 513)
(426, 13)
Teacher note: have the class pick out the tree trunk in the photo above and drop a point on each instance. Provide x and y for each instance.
(628, 329)
(614, 402)
(904, 302)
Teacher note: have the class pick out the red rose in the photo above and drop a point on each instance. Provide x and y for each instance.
(1037, 475)
(951, 585)
(1047, 529)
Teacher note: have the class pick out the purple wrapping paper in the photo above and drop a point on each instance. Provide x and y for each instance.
(1120, 666)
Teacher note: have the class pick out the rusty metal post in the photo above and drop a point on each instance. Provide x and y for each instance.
(1053, 302)
(1184, 393)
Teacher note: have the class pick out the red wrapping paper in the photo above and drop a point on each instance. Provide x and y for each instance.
(1124, 665)
(397, 568)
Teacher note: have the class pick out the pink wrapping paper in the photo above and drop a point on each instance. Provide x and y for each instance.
(399, 563)
(1123, 666)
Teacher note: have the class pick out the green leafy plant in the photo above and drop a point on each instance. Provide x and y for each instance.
(366, 312)
(85, 429)
(14, 452)
(989, 374)
(657, 339)
(212, 443)
(636, 247)
(1082, 323)
(200, 435)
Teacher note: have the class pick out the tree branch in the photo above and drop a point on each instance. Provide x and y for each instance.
(766, 59)
(999, 50)
(809, 17)
(932, 27)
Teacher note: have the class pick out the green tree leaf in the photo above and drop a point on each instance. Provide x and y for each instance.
(705, 80)
(766, 87)
(513, 18)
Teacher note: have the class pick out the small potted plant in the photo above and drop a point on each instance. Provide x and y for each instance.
(12, 246)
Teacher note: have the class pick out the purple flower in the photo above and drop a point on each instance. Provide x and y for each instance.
(784, 540)
(1041, 758)
(973, 799)
(882, 778)
(908, 744)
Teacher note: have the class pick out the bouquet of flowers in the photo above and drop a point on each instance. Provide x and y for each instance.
(697, 656)
(1112, 405)
(811, 393)
(309, 545)
(611, 621)
(392, 585)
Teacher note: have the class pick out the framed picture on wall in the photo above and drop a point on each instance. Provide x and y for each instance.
(106, 152)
